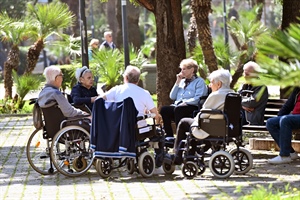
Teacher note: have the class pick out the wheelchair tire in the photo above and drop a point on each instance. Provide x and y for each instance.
(104, 167)
(38, 153)
(130, 166)
(79, 164)
(146, 164)
(189, 169)
(168, 169)
(71, 143)
(243, 160)
(221, 164)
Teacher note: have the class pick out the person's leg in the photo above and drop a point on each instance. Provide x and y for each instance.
(182, 112)
(183, 127)
(287, 124)
(274, 128)
(167, 114)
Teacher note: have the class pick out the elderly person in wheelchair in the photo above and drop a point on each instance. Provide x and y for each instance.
(220, 86)
(61, 142)
(51, 95)
(84, 93)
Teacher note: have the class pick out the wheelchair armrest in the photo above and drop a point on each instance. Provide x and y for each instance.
(211, 111)
(150, 115)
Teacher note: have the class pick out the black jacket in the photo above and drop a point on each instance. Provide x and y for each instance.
(82, 95)
(289, 105)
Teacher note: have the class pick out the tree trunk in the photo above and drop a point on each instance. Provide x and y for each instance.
(260, 11)
(133, 14)
(74, 7)
(33, 55)
(170, 44)
(192, 35)
(12, 63)
(290, 12)
(111, 17)
(201, 10)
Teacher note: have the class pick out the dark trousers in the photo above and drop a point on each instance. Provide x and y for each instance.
(175, 114)
(183, 127)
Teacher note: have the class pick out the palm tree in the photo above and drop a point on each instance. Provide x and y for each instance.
(12, 31)
(200, 11)
(272, 49)
(48, 19)
(246, 30)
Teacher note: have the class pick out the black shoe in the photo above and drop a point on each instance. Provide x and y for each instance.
(159, 158)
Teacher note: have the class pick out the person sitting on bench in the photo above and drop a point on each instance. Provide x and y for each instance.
(281, 128)
(255, 98)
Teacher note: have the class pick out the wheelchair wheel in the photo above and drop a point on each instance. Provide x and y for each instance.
(79, 164)
(70, 151)
(104, 167)
(168, 169)
(189, 169)
(130, 165)
(243, 160)
(146, 164)
(221, 164)
(38, 153)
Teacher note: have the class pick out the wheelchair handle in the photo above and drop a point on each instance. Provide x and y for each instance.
(150, 115)
(32, 101)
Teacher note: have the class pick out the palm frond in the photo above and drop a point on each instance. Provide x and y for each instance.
(51, 17)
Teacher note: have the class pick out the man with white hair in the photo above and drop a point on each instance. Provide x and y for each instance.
(50, 95)
(108, 43)
(142, 100)
(253, 103)
(141, 97)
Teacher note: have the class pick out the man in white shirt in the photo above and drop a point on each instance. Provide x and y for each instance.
(141, 98)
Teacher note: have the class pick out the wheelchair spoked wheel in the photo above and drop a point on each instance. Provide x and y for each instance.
(168, 168)
(70, 151)
(38, 153)
(189, 169)
(130, 165)
(221, 164)
(104, 167)
(243, 160)
(146, 164)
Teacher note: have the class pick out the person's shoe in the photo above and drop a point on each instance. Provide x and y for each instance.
(280, 160)
(294, 156)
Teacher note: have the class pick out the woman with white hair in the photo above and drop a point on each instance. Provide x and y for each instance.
(220, 86)
(84, 92)
(50, 95)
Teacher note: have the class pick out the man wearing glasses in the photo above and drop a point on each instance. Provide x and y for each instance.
(108, 43)
(50, 95)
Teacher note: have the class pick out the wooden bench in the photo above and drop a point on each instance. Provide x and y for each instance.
(272, 108)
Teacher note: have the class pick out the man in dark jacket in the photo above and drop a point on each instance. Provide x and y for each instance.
(254, 102)
(281, 128)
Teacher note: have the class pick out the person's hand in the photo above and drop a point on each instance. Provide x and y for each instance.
(248, 109)
(179, 78)
(93, 99)
(182, 104)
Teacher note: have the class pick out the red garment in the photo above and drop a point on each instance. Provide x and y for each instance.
(296, 109)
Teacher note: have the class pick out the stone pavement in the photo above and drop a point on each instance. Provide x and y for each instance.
(19, 181)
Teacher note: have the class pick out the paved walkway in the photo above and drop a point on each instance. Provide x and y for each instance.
(19, 181)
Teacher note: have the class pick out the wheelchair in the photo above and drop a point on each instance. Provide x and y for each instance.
(60, 144)
(222, 130)
(134, 153)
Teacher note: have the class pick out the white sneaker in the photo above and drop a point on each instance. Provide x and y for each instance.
(294, 156)
(159, 170)
(280, 160)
